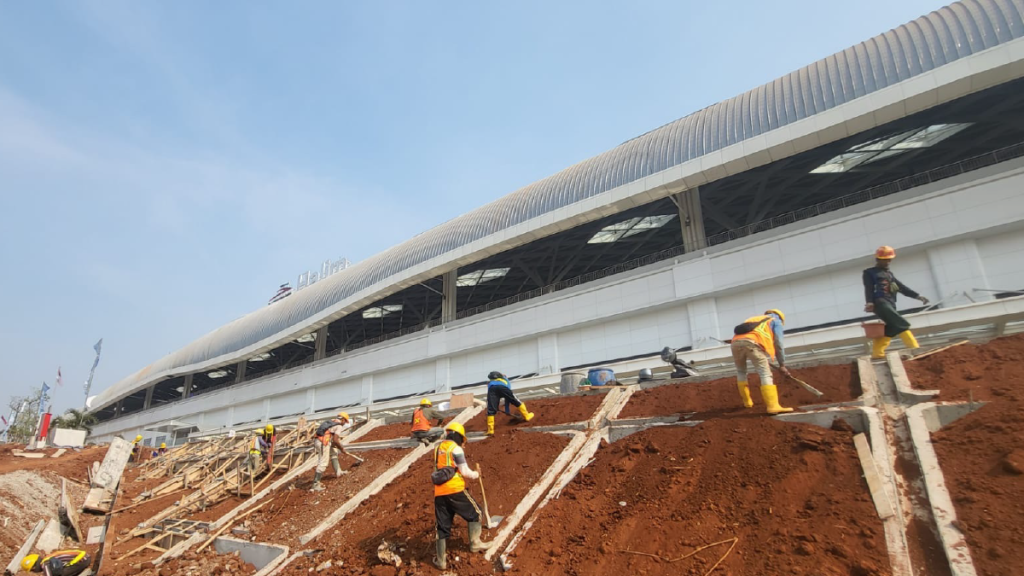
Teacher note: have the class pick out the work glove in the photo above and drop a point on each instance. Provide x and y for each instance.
(923, 300)
(869, 307)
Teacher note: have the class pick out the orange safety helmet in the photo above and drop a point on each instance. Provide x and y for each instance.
(885, 253)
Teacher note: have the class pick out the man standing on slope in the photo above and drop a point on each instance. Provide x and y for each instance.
(499, 388)
(421, 418)
(450, 494)
(758, 339)
(880, 290)
(327, 446)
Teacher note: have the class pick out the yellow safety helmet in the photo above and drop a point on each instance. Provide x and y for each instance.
(778, 313)
(163, 445)
(344, 415)
(29, 562)
(270, 429)
(138, 438)
(456, 427)
(426, 402)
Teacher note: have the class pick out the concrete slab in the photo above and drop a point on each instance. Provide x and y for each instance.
(258, 554)
(96, 535)
(924, 419)
(51, 537)
(907, 393)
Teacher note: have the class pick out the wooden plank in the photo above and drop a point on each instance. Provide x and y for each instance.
(15, 564)
(21, 454)
(937, 350)
(227, 524)
(68, 510)
(867, 462)
(58, 453)
(113, 464)
(99, 500)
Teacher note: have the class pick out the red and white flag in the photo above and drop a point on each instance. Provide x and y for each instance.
(60, 380)
(4, 419)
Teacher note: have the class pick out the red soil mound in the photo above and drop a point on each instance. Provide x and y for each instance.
(547, 412)
(297, 511)
(987, 371)
(403, 512)
(392, 431)
(982, 460)
(72, 464)
(838, 382)
(792, 494)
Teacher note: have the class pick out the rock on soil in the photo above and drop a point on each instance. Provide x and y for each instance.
(792, 494)
(403, 512)
(988, 371)
(838, 382)
(206, 563)
(548, 411)
(982, 454)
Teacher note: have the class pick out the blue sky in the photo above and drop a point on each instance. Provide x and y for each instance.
(165, 166)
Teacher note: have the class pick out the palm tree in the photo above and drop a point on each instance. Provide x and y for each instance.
(76, 420)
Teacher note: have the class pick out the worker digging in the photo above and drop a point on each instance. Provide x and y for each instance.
(450, 496)
(259, 448)
(880, 290)
(499, 389)
(327, 445)
(758, 340)
(60, 563)
(421, 418)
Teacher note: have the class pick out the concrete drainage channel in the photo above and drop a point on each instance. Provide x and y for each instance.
(893, 421)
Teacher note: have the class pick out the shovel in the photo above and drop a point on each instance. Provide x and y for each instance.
(491, 521)
(807, 386)
(358, 460)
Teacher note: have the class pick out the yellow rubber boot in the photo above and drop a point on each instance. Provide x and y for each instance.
(770, 394)
(878, 346)
(908, 339)
(748, 402)
(527, 415)
(490, 425)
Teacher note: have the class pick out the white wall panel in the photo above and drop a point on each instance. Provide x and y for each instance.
(409, 380)
(342, 393)
(248, 412)
(512, 359)
(1002, 256)
(288, 404)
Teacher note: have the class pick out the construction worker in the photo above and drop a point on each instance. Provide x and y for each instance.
(880, 290)
(758, 339)
(450, 496)
(497, 389)
(421, 418)
(327, 445)
(137, 449)
(159, 451)
(259, 446)
(60, 563)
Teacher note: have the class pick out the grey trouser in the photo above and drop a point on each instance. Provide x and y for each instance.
(324, 454)
(743, 350)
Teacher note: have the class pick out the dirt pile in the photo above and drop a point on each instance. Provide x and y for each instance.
(988, 371)
(547, 412)
(403, 512)
(792, 495)
(393, 431)
(295, 510)
(982, 460)
(838, 382)
(72, 464)
(25, 498)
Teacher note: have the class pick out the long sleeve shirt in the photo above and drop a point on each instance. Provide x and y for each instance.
(780, 349)
(499, 382)
(460, 462)
(881, 284)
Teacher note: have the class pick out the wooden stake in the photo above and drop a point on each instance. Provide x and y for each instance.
(230, 524)
(937, 350)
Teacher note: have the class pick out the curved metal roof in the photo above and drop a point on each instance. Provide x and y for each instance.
(948, 34)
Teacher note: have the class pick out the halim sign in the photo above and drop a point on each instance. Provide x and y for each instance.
(327, 268)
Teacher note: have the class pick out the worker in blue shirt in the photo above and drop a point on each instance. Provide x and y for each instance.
(498, 388)
(880, 290)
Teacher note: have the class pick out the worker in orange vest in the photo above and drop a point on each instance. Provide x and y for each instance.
(759, 340)
(421, 418)
(60, 563)
(880, 290)
(450, 495)
(327, 446)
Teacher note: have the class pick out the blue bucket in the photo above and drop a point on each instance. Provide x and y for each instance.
(600, 376)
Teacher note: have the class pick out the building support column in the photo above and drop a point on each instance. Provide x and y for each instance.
(186, 389)
(321, 344)
(691, 219)
(240, 371)
(119, 408)
(149, 397)
(449, 298)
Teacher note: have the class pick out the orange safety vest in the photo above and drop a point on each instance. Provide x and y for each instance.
(419, 422)
(762, 335)
(443, 457)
